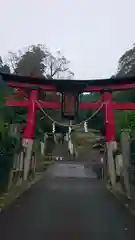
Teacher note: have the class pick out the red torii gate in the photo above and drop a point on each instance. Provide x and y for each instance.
(70, 88)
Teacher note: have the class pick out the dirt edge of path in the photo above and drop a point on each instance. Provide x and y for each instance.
(8, 198)
(128, 203)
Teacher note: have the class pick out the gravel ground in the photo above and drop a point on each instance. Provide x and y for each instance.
(69, 203)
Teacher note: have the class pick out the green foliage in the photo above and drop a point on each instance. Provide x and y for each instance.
(126, 64)
(31, 62)
(120, 122)
(126, 67)
(9, 145)
(124, 96)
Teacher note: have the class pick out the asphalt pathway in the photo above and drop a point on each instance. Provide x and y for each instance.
(68, 204)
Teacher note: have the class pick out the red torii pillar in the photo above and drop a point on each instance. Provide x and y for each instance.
(29, 131)
(109, 122)
(31, 105)
(111, 144)
(110, 132)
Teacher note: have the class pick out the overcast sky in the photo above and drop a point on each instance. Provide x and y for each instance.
(92, 34)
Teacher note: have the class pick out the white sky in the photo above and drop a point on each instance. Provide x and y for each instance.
(92, 34)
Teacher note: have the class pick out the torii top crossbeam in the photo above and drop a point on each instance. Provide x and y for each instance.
(114, 84)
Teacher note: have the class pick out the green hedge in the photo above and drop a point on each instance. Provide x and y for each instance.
(8, 147)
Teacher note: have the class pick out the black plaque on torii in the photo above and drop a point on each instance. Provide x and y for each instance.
(69, 105)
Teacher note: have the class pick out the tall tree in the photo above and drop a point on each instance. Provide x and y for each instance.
(3, 88)
(37, 60)
(126, 64)
(57, 66)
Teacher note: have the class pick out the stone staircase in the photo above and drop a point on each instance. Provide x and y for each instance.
(61, 150)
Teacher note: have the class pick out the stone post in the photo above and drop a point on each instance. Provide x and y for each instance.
(125, 145)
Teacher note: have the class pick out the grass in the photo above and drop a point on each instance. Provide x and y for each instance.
(82, 139)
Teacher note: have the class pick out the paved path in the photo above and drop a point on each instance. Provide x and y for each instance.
(68, 204)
